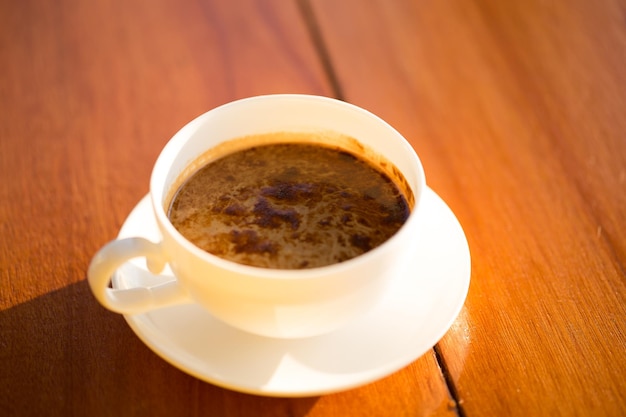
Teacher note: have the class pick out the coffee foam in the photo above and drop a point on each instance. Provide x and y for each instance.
(322, 138)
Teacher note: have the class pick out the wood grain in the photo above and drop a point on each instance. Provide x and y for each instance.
(90, 93)
(516, 109)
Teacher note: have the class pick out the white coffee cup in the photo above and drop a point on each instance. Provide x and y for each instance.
(268, 302)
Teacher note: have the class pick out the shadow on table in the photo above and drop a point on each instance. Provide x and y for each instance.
(63, 354)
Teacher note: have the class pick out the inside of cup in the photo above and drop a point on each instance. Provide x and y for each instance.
(326, 119)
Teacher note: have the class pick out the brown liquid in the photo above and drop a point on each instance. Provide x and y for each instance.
(288, 206)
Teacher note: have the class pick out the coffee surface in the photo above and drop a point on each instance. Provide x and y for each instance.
(288, 206)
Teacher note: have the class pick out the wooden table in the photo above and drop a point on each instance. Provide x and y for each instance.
(517, 110)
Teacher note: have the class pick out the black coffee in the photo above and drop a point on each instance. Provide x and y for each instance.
(288, 206)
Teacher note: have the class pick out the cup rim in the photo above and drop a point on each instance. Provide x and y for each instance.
(181, 136)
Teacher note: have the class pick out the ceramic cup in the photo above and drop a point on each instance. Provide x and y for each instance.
(269, 302)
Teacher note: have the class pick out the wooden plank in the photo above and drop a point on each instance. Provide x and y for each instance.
(517, 113)
(96, 90)
(90, 93)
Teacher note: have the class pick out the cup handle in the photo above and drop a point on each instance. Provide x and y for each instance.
(132, 300)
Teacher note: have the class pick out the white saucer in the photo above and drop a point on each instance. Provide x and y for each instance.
(410, 320)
